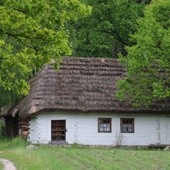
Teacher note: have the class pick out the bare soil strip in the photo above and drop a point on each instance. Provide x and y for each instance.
(8, 165)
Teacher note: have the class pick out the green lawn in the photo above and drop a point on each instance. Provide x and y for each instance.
(79, 158)
(1, 166)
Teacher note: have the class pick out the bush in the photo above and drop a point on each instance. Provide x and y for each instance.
(2, 126)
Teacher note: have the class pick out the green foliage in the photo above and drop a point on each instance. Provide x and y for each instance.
(148, 61)
(2, 125)
(31, 34)
(106, 32)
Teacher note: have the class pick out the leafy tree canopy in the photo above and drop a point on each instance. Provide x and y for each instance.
(106, 31)
(148, 61)
(32, 33)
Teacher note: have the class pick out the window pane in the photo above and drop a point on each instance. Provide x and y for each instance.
(127, 125)
(104, 124)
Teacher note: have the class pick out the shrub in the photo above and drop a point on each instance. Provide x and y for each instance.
(2, 126)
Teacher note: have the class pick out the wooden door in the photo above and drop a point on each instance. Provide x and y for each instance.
(58, 130)
(11, 126)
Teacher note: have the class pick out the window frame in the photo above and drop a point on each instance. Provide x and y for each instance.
(110, 124)
(121, 125)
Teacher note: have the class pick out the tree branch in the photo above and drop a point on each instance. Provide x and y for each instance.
(22, 36)
(115, 30)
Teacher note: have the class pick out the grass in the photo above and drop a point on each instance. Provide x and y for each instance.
(82, 158)
(1, 167)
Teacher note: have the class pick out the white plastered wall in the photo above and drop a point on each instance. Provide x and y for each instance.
(82, 128)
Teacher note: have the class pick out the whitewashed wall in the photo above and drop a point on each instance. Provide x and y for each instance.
(83, 129)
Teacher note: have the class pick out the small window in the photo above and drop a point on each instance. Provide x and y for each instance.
(127, 125)
(104, 125)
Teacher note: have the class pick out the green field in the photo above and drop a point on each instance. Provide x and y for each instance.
(79, 158)
(1, 166)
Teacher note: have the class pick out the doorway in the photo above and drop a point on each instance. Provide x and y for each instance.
(58, 130)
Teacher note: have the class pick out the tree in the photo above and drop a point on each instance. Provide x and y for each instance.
(31, 34)
(148, 60)
(106, 31)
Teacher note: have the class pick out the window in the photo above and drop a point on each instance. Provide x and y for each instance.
(127, 125)
(104, 125)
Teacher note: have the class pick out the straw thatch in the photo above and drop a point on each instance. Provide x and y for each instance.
(81, 84)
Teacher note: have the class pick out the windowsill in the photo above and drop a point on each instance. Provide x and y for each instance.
(105, 132)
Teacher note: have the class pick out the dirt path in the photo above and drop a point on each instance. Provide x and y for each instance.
(7, 164)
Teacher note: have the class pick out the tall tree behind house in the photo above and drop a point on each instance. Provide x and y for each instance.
(106, 31)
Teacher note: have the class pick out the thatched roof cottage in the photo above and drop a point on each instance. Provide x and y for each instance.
(77, 104)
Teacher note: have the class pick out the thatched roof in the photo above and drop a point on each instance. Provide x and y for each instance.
(81, 84)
